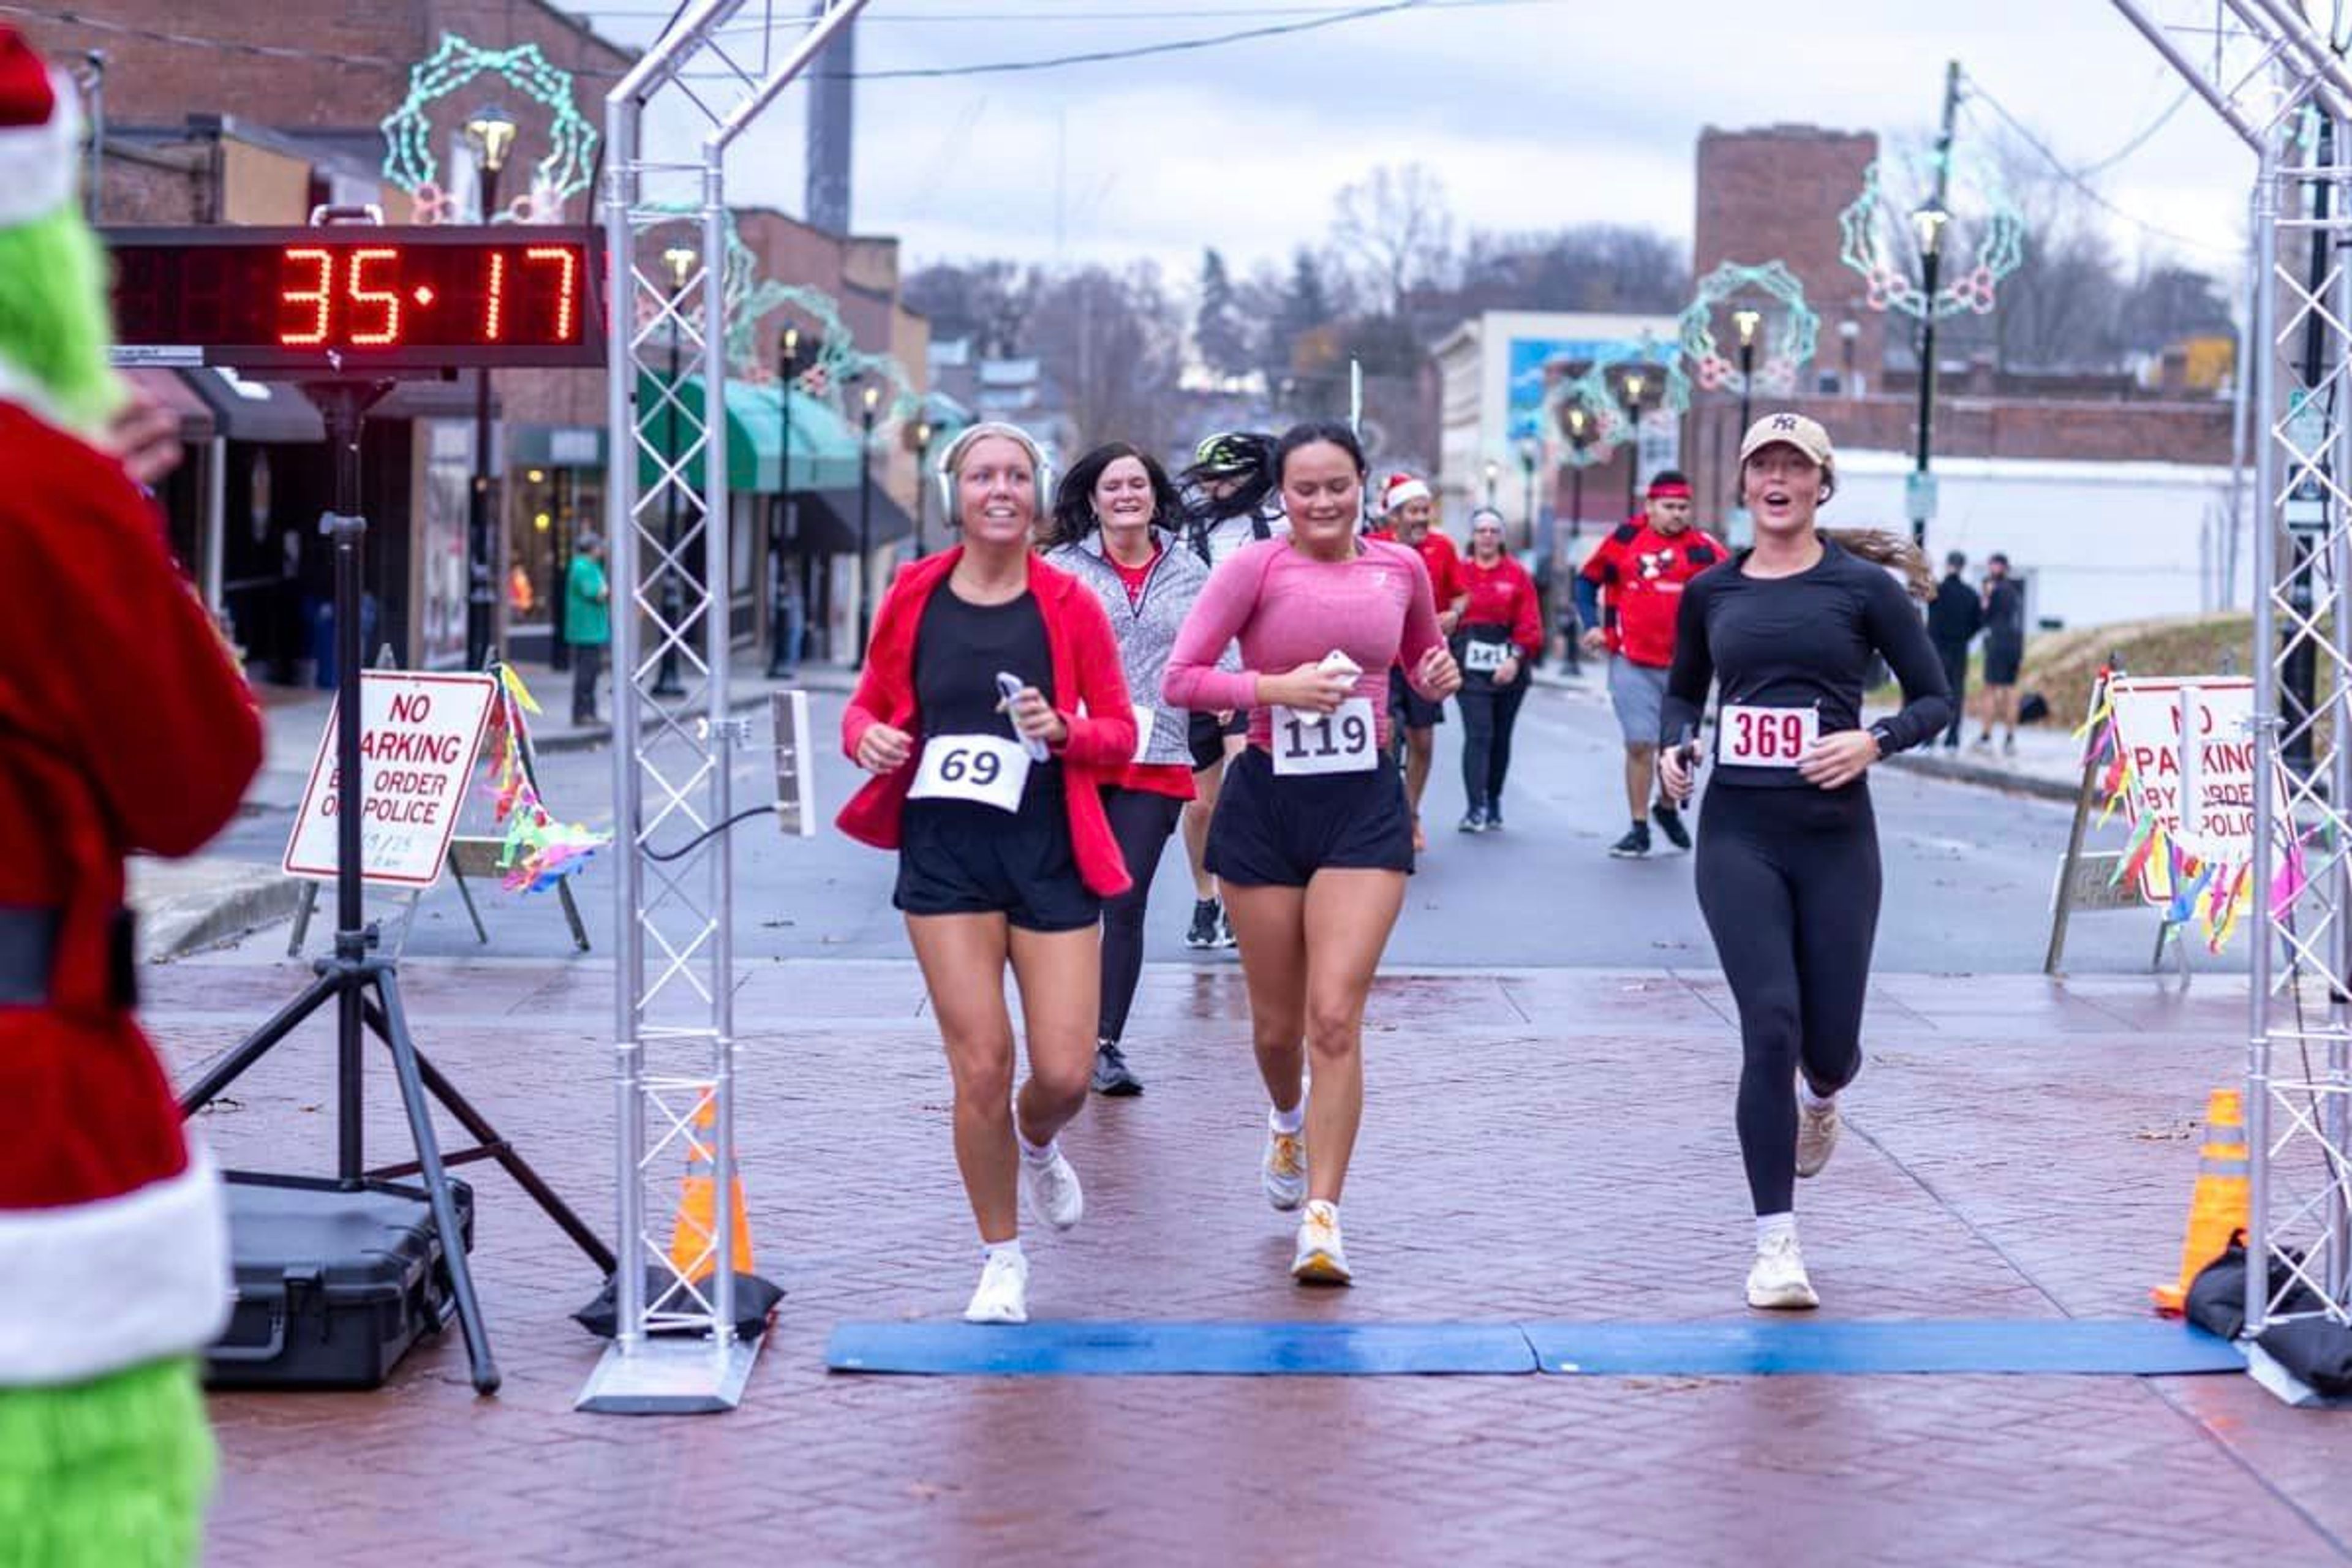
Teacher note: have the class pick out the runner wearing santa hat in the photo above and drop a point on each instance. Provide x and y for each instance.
(124, 726)
(1409, 514)
(1627, 593)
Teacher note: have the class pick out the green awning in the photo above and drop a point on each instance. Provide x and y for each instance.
(825, 448)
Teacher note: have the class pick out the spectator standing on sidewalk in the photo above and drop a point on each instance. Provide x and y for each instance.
(2004, 629)
(125, 726)
(1954, 619)
(587, 622)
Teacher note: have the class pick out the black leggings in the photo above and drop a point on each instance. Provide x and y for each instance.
(1488, 712)
(1141, 823)
(1788, 881)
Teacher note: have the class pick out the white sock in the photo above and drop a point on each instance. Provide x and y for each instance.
(1032, 1154)
(1771, 1225)
(1290, 1122)
(1806, 1096)
(993, 1250)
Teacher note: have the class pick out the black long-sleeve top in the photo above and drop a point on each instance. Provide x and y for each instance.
(1797, 642)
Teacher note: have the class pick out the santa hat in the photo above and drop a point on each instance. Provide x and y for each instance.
(40, 129)
(1399, 489)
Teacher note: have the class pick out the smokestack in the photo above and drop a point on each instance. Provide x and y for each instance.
(831, 117)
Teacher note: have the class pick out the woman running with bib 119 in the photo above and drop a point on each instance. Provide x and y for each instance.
(973, 715)
(1788, 853)
(1311, 841)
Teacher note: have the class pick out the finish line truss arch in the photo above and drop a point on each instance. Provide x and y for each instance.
(2282, 84)
(720, 64)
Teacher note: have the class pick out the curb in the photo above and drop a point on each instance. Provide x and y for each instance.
(1987, 775)
(246, 908)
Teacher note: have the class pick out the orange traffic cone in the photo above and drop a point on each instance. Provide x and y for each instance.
(2218, 1209)
(693, 1237)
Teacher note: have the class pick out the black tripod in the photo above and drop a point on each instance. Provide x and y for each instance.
(354, 972)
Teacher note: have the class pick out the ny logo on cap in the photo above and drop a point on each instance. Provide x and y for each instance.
(1784, 422)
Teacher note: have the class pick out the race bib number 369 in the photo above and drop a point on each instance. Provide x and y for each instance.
(1339, 742)
(1765, 737)
(987, 770)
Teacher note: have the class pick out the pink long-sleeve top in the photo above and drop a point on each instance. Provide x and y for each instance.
(1288, 609)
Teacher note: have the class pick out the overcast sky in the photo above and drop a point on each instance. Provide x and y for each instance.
(1534, 113)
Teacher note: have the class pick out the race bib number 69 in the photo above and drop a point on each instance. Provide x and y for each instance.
(1765, 737)
(987, 770)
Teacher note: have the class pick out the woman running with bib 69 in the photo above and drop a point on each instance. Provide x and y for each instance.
(1788, 852)
(1311, 841)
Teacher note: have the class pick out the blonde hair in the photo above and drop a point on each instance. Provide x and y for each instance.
(1882, 548)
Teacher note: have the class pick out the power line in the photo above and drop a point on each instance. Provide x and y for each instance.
(1977, 94)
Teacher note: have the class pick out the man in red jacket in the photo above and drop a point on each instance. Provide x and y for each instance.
(1629, 592)
(124, 726)
(1409, 512)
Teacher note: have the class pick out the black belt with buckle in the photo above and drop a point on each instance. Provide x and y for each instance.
(28, 956)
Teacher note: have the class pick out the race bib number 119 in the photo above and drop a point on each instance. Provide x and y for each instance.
(1765, 737)
(1339, 742)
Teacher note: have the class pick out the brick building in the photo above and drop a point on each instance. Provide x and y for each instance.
(224, 114)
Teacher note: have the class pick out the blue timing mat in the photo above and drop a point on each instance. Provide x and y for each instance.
(1817, 1347)
(1730, 1347)
(1069, 1348)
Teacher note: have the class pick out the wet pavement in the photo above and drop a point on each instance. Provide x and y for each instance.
(1540, 1144)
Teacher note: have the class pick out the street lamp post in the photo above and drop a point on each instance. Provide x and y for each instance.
(1530, 453)
(492, 135)
(1849, 334)
(865, 522)
(680, 261)
(1634, 383)
(1746, 321)
(923, 485)
(1494, 472)
(1929, 222)
(1580, 436)
(782, 653)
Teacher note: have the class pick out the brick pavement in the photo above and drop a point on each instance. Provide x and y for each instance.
(1539, 1143)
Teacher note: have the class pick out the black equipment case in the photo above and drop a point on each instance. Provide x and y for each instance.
(334, 1284)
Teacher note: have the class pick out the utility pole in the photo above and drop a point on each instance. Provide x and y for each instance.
(1930, 221)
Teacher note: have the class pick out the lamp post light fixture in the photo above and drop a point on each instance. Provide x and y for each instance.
(1633, 386)
(1493, 473)
(922, 479)
(680, 260)
(1530, 453)
(1929, 223)
(1746, 321)
(1580, 436)
(865, 521)
(1849, 335)
(784, 626)
(492, 136)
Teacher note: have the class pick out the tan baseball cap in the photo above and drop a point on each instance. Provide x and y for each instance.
(1788, 430)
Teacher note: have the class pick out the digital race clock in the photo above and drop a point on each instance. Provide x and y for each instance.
(356, 298)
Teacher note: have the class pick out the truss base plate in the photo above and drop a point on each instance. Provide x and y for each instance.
(669, 1377)
(2290, 1389)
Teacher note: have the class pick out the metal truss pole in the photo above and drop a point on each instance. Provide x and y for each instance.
(676, 1348)
(2267, 77)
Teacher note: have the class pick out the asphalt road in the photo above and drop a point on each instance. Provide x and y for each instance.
(1969, 873)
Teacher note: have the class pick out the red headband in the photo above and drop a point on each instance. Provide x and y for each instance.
(1669, 490)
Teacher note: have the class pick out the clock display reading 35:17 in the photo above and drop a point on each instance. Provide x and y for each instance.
(355, 299)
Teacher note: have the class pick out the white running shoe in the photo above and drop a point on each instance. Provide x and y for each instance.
(1049, 1189)
(1776, 1281)
(1322, 1258)
(1003, 1294)
(1817, 1134)
(1285, 1168)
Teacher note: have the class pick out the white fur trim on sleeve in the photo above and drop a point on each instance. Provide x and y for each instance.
(103, 1286)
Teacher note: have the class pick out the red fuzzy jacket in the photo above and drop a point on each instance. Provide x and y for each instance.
(1090, 694)
(1503, 595)
(124, 725)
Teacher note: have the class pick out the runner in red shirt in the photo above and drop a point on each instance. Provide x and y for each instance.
(1410, 511)
(1628, 593)
(1502, 633)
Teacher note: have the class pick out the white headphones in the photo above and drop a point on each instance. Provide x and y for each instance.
(952, 458)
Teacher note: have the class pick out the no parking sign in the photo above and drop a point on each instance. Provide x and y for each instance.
(419, 736)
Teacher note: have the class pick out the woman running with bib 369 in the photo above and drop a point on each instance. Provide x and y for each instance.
(1311, 841)
(989, 783)
(1788, 853)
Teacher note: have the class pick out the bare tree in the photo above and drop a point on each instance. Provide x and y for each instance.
(1394, 233)
(1112, 344)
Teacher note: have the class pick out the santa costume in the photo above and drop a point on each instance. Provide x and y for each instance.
(124, 725)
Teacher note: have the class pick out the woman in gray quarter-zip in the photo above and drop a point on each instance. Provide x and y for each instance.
(1114, 520)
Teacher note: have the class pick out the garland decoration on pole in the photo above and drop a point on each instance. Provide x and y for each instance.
(1971, 287)
(538, 851)
(1790, 347)
(409, 162)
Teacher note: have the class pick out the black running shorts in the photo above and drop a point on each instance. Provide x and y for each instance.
(1278, 832)
(956, 858)
(1409, 708)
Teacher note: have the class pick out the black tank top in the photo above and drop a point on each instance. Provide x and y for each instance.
(959, 649)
